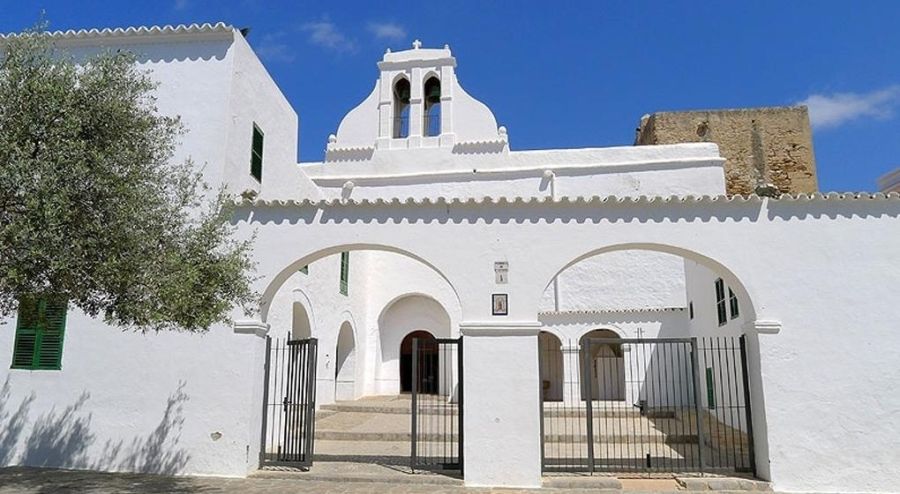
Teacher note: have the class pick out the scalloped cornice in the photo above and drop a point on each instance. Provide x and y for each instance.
(581, 200)
(562, 313)
(136, 31)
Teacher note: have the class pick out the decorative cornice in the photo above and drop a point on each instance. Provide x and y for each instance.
(167, 30)
(506, 328)
(251, 326)
(609, 311)
(577, 200)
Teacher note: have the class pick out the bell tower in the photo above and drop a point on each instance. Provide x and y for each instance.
(416, 103)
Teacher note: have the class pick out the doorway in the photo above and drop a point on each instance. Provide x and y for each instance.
(428, 362)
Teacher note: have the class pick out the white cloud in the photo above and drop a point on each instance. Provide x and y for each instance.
(387, 30)
(273, 48)
(325, 33)
(181, 4)
(834, 110)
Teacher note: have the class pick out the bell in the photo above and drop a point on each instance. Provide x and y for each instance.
(434, 94)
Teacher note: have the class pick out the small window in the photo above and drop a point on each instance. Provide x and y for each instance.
(691, 310)
(733, 302)
(431, 125)
(305, 269)
(401, 108)
(710, 389)
(40, 327)
(345, 272)
(720, 302)
(256, 154)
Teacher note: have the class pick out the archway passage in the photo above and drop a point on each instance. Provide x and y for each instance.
(345, 365)
(607, 366)
(551, 367)
(300, 324)
(427, 363)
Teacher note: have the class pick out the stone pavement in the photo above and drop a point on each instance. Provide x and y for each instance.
(45, 481)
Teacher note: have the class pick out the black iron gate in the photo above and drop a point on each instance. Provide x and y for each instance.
(437, 404)
(647, 405)
(289, 402)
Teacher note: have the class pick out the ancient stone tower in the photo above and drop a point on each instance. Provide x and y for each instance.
(761, 145)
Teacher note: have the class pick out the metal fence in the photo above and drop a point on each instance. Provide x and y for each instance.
(437, 400)
(289, 402)
(645, 405)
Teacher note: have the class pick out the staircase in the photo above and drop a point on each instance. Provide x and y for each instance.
(369, 430)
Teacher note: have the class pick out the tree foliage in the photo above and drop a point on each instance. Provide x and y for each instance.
(92, 205)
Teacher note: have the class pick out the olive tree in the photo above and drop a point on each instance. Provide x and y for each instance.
(94, 209)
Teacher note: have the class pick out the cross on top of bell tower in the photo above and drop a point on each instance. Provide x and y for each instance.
(417, 44)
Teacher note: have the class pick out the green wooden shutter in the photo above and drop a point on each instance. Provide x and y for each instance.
(49, 355)
(345, 272)
(27, 329)
(40, 329)
(256, 154)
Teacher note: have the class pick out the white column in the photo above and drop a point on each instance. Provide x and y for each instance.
(255, 331)
(571, 375)
(501, 404)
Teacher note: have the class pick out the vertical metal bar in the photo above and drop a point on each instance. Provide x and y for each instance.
(737, 442)
(747, 409)
(729, 432)
(586, 370)
(541, 365)
(414, 390)
(265, 402)
(697, 398)
(286, 430)
(311, 357)
(459, 404)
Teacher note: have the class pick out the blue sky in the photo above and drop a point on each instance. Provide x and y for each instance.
(573, 74)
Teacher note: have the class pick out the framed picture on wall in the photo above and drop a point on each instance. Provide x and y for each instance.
(499, 303)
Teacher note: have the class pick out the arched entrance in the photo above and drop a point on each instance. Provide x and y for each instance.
(300, 326)
(607, 366)
(345, 364)
(551, 366)
(427, 362)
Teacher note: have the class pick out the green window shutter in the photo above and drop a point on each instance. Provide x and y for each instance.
(40, 329)
(25, 346)
(733, 302)
(256, 154)
(345, 272)
(720, 302)
(49, 355)
(710, 389)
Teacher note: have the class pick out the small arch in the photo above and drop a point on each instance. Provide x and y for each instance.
(550, 357)
(345, 364)
(431, 125)
(606, 362)
(301, 326)
(401, 93)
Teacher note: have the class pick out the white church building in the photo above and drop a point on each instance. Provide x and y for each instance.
(598, 310)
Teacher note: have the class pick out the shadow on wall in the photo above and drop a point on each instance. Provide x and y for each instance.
(64, 438)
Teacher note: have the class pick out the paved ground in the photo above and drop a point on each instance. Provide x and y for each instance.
(42, 481)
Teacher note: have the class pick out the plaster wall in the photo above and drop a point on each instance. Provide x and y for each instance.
(616, 281)
(194, 77)
(168, 403)
(744, 240)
